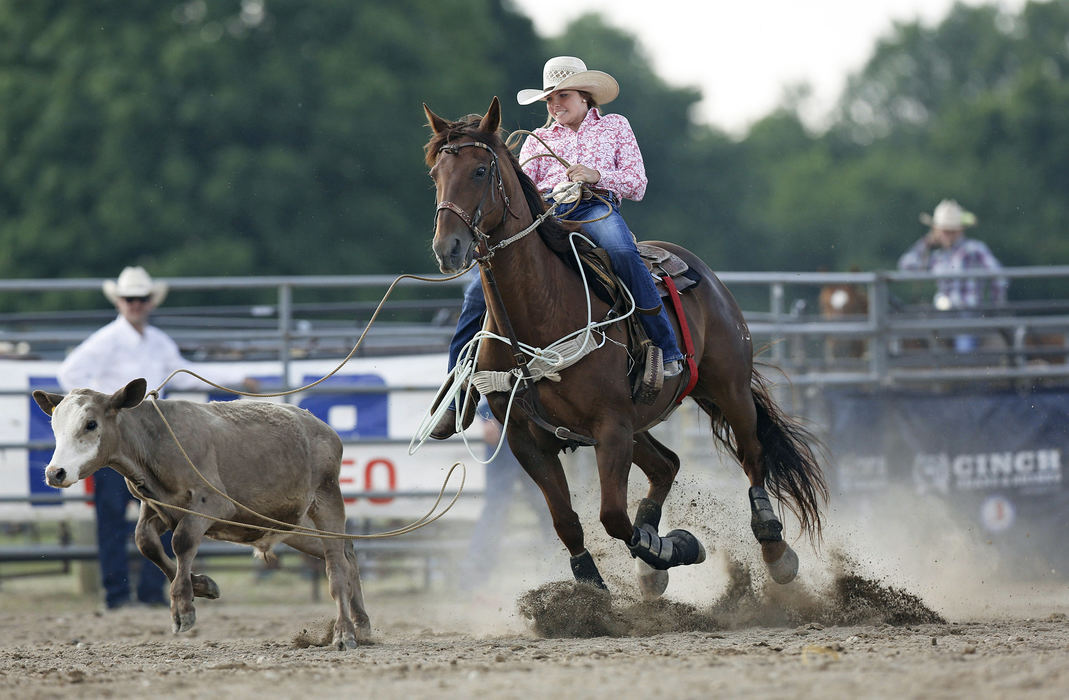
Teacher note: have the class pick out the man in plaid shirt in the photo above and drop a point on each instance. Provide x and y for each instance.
(945, 249)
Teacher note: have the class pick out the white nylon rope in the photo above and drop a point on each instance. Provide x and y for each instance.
(545, 363)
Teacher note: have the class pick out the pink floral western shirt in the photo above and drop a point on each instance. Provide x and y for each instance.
(605, 143)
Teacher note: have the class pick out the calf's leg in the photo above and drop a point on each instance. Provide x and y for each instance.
(147, 536)
(187, 537)
(343, 573)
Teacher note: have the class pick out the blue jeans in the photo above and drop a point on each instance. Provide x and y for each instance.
(612, 234)
(471, 316)
(110, 497)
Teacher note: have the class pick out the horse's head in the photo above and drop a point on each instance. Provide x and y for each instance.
(463, 157)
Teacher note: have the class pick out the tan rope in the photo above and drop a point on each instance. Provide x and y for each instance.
(156, 392)
(291, 529)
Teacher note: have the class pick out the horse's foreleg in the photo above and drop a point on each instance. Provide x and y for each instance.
(660, 465)
(677, 547)
(546, 471)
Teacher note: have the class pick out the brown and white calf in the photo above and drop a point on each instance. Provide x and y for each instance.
(278, 460)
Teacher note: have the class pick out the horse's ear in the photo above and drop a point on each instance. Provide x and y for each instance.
(491, 121)
(437, 124)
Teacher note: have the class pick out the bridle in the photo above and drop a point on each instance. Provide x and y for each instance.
(472, 221)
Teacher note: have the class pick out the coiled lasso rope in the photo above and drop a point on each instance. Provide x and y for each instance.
(545, 362)
(291, 528)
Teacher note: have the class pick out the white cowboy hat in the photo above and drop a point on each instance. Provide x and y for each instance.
(949, 215)
(568, 72)
(135, 282)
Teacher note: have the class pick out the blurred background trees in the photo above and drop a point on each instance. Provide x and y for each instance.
(283, 137)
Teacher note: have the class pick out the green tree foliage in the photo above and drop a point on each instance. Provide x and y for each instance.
(971, 108)
(244, 137)
(208, 138)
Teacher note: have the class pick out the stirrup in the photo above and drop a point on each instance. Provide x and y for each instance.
(652, 377)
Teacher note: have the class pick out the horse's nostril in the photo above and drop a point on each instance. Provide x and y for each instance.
(59, 476)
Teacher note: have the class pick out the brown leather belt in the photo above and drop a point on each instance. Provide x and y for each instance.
(589, 192)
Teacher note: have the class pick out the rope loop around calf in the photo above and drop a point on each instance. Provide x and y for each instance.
(291, 528)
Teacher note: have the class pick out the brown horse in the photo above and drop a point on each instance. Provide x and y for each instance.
(484, 200)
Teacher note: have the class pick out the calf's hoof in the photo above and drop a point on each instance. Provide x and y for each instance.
(183, 621)
(363, 631)
(205, 587)
(345, 636)
(651, 582)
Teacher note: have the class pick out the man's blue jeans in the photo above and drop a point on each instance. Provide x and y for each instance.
(612, 234)
(110, 497)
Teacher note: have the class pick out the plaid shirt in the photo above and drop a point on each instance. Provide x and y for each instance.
(966, 254)
(605, 143)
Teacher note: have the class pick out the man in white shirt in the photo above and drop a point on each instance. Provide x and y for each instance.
(128, 348)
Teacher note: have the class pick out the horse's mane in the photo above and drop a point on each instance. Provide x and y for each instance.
(553, 231)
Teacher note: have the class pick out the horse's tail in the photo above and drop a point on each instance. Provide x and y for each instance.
(792, 472)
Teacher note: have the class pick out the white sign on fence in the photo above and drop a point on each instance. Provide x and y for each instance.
(365, 421)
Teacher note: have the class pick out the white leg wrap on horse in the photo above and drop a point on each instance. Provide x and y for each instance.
(784, 569)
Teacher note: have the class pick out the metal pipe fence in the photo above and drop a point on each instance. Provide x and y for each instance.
(903, 336)
(896, 338)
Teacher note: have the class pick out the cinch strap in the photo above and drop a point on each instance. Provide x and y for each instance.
(688, 343)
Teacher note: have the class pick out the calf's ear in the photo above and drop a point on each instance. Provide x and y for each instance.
(46, 400)
(130, 395)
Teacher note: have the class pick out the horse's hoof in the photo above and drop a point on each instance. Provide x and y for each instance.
(784, 569)
(693, 551)
(183, 622)
(205, 587)
(651, 582)
(345, 642)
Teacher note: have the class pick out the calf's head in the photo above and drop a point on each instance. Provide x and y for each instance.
(84, 423)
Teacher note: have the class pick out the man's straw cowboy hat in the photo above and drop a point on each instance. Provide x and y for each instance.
(135, 282)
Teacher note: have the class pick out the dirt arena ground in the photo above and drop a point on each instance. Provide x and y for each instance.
(895, 603)
(424, 647)
(721, 631)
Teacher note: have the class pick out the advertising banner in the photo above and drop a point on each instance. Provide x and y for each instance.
(997, 459)
(375, 426)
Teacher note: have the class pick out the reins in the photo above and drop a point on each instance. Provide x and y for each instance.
(291, 528)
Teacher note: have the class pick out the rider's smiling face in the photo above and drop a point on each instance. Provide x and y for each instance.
(567, 107)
